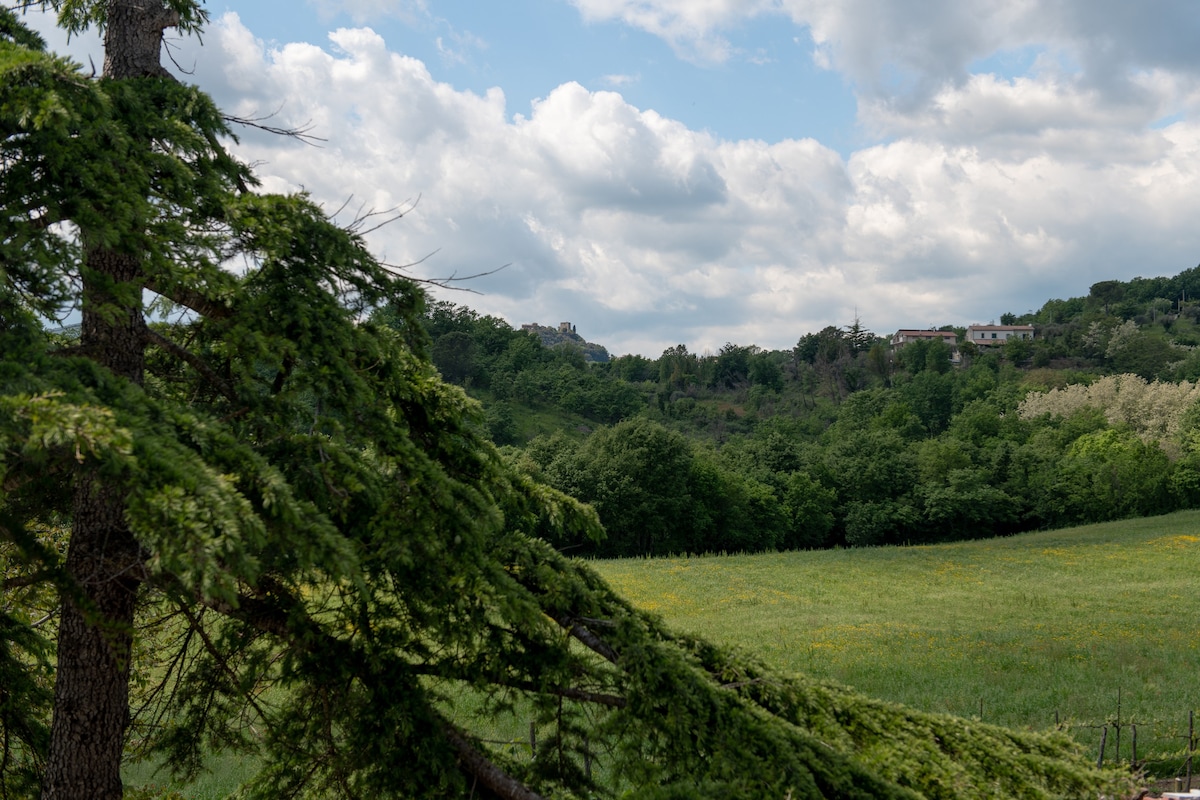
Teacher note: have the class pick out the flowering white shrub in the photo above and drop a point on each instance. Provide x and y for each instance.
(1154, 411)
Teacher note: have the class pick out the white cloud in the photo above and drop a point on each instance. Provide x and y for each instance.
(691, 27)
(988, 192)
(459, 47)
(906, 57)
(1065, 117)
(905, 48)
(364, 11)
(617, 80)
(936, 38)
(999, 194)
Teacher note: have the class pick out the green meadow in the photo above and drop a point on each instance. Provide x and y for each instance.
(1020, 629)
(1078, 625)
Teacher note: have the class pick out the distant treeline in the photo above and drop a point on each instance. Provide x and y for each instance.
(840, 441)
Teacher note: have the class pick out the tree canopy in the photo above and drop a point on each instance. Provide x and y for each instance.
(274, 520)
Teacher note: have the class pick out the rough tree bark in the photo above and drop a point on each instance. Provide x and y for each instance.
(133, 38)
(91, 692)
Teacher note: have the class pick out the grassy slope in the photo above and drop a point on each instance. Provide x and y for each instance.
(1057, 621)
(1030, 625)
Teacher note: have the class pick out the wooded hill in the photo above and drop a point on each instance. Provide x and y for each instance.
(840, 441)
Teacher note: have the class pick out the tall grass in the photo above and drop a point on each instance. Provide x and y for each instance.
(1021, 631)
(1016, 630)
(223, 774)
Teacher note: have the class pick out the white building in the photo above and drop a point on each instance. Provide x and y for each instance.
(988, 335)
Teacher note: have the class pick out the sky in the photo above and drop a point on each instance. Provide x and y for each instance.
(698, 172)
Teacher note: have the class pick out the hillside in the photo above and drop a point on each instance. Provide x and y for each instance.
(844, 440)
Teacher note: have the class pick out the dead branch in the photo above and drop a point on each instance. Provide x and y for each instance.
(585, 636)
(483, 770)
(397, 270)
(301, 133)
(357, 225)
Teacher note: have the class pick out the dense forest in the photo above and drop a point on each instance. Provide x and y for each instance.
(843, 440)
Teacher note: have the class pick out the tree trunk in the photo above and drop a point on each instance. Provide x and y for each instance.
(133, 38)
(91, 691)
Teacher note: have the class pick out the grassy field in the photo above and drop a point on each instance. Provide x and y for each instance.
(1015, 630)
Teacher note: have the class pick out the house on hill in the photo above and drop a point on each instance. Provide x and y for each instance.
(903, 337)
(989, 335)
(907, 336)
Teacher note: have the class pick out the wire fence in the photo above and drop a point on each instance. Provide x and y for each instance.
(1162, 748)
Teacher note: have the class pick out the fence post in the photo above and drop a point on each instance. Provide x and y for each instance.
(1103, 741)
(1117, 755)
(1191, 745)
(1133, 745)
